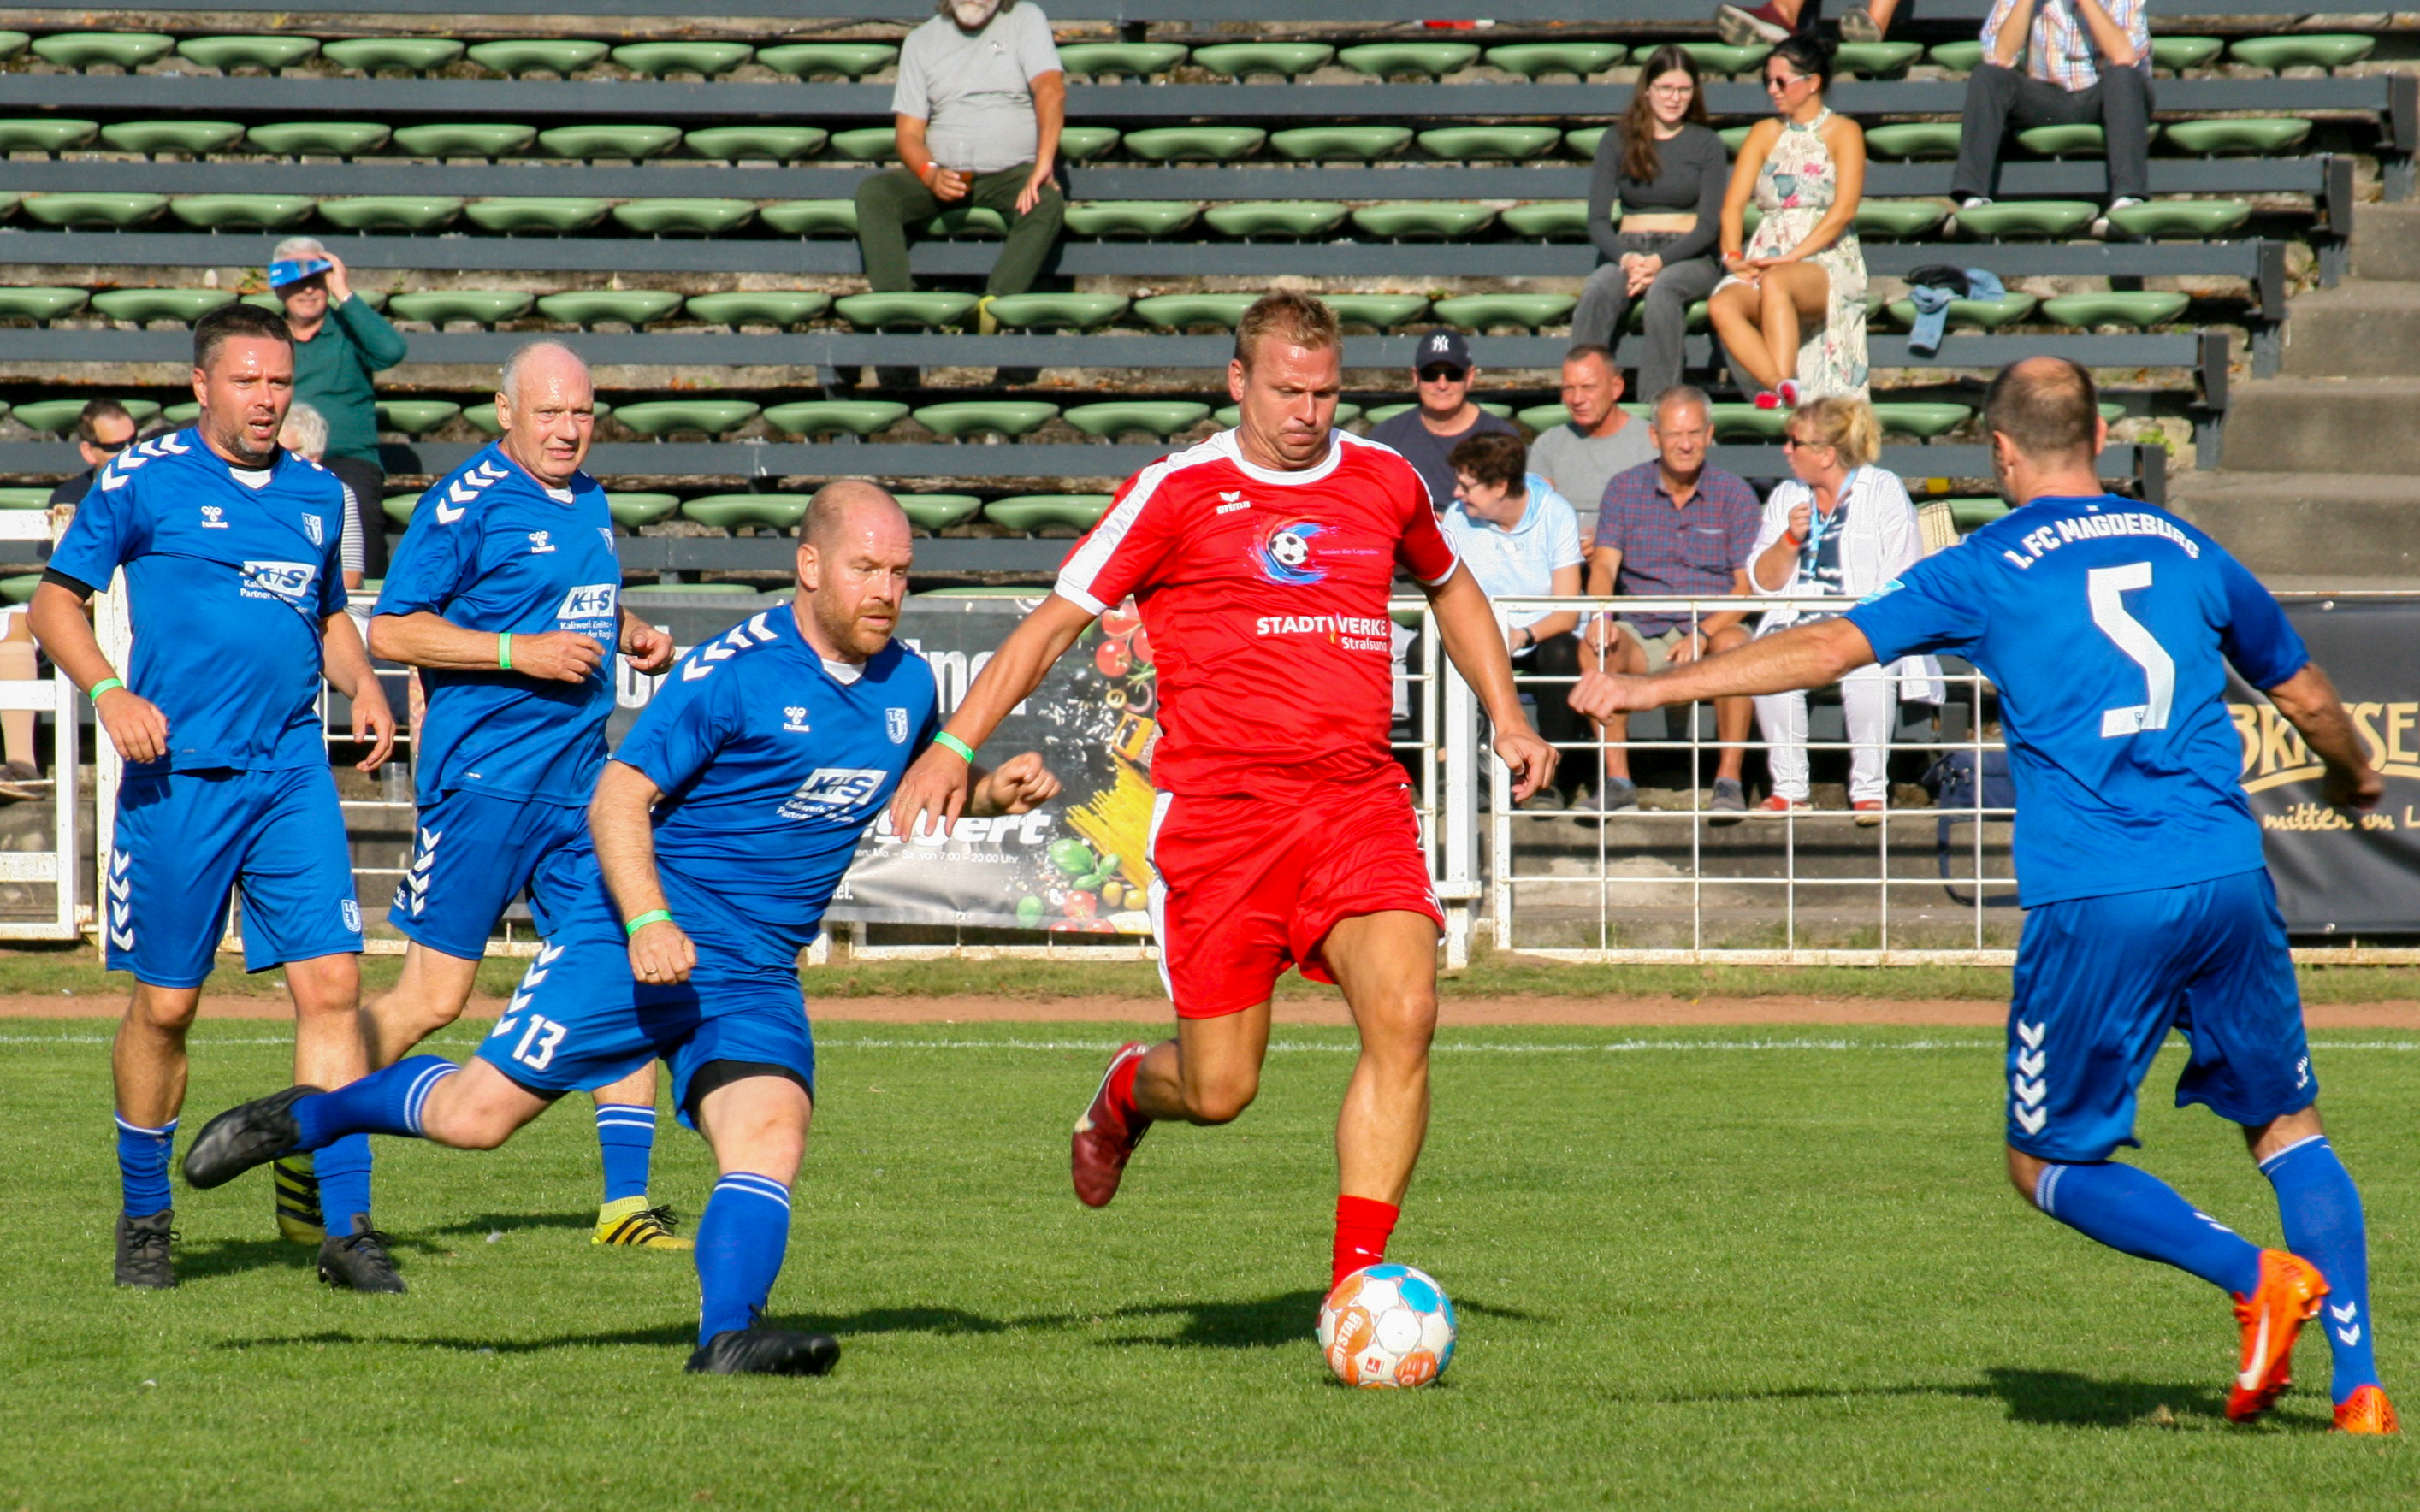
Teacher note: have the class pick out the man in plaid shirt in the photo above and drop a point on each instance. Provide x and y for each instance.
(2061, 63)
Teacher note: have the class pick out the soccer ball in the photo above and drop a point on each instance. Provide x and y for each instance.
(1386, 1325)
(1290, 549)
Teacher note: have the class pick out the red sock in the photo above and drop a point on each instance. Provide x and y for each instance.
(1362, 1225)
(1120, 1090)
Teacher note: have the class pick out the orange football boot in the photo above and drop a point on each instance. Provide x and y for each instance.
(2286, 1297)
(2366, 1411)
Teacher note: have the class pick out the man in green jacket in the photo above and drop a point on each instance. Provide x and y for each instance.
(339, 341)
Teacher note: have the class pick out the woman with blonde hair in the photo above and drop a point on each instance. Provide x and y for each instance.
(1841, 527)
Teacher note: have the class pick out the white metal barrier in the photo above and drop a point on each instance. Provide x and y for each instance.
(57, 864)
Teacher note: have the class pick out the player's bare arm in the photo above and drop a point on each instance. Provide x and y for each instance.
(618, 822)
(347, 666)
(936, 788)
(1805, 656)
(1018, 785)
(1466, 629)
(429, 640)
(645, 648)
(2309, 703)
(135, 725)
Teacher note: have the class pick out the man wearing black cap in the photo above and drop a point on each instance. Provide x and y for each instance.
(1444, 416)
(339, 341)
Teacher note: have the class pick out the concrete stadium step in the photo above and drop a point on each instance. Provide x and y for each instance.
(2362, 327)
(2386, 242)
(2343, 531)
(2323, 424)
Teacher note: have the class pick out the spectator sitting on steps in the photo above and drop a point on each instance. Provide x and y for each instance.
(2060, 63)
(1581, 455)
(1427, 432)
(103, 430)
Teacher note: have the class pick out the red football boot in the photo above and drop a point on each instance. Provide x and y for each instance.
(1105, 1135)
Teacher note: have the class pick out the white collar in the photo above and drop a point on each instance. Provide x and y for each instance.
(843, 672)
(1227, 442)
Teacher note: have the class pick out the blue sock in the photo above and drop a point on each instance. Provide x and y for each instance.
(344, 1172)
(2322, 1213)
(2135, 1211)
(740, 1245)
(625, 1136)
(384, 1102)
(143, 1166)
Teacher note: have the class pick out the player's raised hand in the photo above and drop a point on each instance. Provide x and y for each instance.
(1018, 785)
(1602, 695)
(135, 725)
(557, 655)
(932, 791)
(660, 954)
(373, 721)
(645, 647)
(1531, 757)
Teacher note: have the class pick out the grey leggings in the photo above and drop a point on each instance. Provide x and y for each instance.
(1604, 304)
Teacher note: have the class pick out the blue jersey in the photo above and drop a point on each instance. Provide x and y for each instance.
(2106, 625)
(772, 762)
(493, 548)
(231, 575)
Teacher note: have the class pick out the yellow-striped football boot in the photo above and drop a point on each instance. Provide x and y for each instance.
(631, 1222)
(298, 1201)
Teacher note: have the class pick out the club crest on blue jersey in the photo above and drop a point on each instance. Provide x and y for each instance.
(834, 792)
(894, 724)
(311, 527)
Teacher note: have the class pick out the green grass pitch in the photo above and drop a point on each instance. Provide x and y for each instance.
(1721, 1269)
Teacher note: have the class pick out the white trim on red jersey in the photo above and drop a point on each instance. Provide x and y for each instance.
(1101, 543)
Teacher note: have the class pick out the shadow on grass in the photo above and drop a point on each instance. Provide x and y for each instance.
(1268, 1323)
(490, 1222)
(2059, 1398)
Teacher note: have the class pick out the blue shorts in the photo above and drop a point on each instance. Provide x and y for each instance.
(473, 854)
(186, 839)
(579, 1021)
(2099, 981)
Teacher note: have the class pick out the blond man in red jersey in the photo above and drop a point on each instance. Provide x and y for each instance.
(1283, 835)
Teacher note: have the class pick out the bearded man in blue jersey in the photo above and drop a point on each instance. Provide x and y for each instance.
(2107, 626)
(230, 547)
(722, 826)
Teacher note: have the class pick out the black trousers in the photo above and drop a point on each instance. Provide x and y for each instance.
(1998, 97)
(368, 481)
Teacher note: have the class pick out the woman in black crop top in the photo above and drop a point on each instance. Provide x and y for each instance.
(1660, 173)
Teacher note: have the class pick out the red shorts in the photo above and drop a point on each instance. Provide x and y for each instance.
(1243, 887)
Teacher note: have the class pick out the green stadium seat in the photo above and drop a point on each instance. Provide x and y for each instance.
(1182, 312)
(112, 210)
(242, 212)
(631, 142)
(1147, 218)
(1582, 140)
(1195, 144)
(181, 414)
(916, 310)
(484, 416)
(1228, 416)
(1875, 60)
(1722, 57)
(685, 217)
(1989, 315)
(632, 510)
(229, 54)
(1318, 144)
(12, 44)
(1239, 59)
(415, 417)
(1468, 144)
(780, 308)
(2112, 413)
(329, 139)
(2177, 54)
(1959, 58)
(708, 58)
(486, 307)
(398, 506)
(86, 49)
(2181, 219)
(827, 417)
(192, 138)
(1479, 312)
(537, 54)
(1543, 417)
(1548, 220)
(559, 216)
(1735, 137)
(1274, 218)
(867, 143)
(1970, 514)
(811, 217)
(405, 54)
(391, 212)
(1003, 417)
(2260, 135)
(938, 511)
(1745, 422)
(464, 139)
(732, 511)
(1384, 60)
(1162, 418)
(18, 588)
(2302, 50)
(46, 134)
(1907, 418)
(661, 417)
(145, 306)
(1133, 60)
(1424, 220)
(41, 304)
(1914, 139)
(1898, 218)
(2140, 309)
(25, 498)
(1055, 312)
(966, 222)
(2009, 219)
(1082, 143)
(1694, 320)
(1378, 310)
(1026, 512)
(847, 60)
(1535, 60)
(732, 144)
(52, 416)
(2077, 141)
(632, 307)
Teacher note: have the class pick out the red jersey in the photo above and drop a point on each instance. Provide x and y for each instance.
(1265, 596)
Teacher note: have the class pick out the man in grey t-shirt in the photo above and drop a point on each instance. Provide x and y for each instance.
(979, 102)
(1599, 441)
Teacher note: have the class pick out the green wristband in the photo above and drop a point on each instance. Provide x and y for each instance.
(504, 651)
(653, 916)
(954, 743)
(104, 687)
